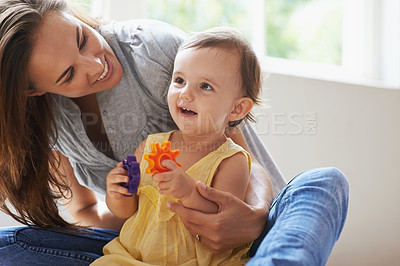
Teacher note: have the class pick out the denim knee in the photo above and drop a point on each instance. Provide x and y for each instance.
(334, 175)
(329, 178)
(305, 219)
(335, 189)
(333, 180)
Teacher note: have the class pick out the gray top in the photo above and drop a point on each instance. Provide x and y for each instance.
(136, 107)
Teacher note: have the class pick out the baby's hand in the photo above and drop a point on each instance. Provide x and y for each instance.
(114, 179)
(176, 182)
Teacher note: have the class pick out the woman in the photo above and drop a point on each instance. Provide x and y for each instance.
(75, 97)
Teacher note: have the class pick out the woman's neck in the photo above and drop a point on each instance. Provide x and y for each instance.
(87, 104)
(93, 123)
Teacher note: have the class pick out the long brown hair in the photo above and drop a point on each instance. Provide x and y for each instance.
(28, 168)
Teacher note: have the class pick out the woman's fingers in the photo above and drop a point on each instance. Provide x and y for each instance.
(227, 229)
(199, 223)
(220, 198)
(192, 219)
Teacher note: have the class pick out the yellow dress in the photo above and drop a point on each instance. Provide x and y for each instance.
(156, 236)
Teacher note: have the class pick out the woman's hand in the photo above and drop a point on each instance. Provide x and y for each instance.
(236, 222)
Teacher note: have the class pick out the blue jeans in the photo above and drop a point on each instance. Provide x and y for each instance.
(34, 246)
(304, 222)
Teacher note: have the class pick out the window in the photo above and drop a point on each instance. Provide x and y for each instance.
(355, 41)
(86, 5)
(306, 30)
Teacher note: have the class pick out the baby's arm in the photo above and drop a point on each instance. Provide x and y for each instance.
(232, 176)
(120, 205)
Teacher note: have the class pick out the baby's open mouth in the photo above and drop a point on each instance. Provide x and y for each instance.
(187, 111)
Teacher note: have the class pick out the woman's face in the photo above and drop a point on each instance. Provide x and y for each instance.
(72, 59)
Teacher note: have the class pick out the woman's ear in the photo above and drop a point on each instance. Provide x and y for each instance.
(34, 92)
(242, 107)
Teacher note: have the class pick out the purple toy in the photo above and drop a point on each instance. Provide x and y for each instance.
(132, 166)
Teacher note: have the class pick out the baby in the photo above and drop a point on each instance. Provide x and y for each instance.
(215, 83)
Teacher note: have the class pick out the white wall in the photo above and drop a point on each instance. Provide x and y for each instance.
(357, 130)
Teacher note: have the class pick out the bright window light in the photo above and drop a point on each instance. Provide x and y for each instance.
(352, 41)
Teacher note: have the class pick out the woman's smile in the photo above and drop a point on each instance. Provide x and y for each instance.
(81, 61)
(104, 72)
(107, 72)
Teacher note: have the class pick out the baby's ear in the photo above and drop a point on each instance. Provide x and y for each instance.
(34, 92)
(242, 107)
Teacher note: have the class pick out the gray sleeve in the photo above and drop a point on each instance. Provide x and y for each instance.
(153, 47)
(260, 151)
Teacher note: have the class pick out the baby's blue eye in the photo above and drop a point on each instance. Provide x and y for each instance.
(206, 86)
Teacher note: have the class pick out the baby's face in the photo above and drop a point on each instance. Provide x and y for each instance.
(71, 59)
(205, 86)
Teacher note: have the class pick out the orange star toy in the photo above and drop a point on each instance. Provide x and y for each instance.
(158, 154)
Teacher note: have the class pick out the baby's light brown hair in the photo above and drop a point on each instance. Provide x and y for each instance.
(229, 39)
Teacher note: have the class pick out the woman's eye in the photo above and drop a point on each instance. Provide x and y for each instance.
(85, 37)
(206, 86)
(180, 81)
(71, 75)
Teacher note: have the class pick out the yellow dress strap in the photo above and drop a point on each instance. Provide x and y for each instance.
(205, 168)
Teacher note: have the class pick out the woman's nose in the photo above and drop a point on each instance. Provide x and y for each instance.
(93, 66)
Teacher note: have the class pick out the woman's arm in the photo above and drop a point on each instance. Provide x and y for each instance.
(236, 222)
(83, 205)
